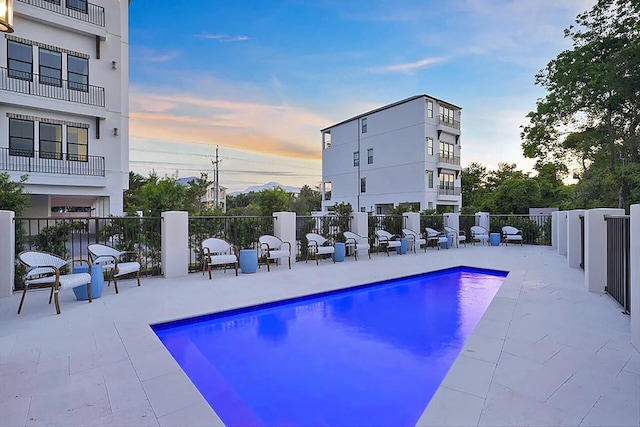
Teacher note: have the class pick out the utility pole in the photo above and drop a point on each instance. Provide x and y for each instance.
(216, 182)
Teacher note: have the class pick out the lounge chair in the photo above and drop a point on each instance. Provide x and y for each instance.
(272, 248)
(319, 245)
(435, 238)
(414, 239)
(357, 243)
(458, 235)
(479, 234)
(511, 234)
(387, 240)
(218, 252)
(44, 271)
(111, 260)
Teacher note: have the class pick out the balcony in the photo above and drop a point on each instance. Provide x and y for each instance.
(452, 160)
(47, 87)
(55, 163)
(77, 9)
(448, 191)
(455, 124)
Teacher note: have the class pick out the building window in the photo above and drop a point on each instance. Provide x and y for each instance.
(327, 190)
(77, 144)
(77, 5)
(356, 158)
(446, 150)
(429, 179)
(430, 109)
(446, 180)
(50, 141)
(363, 185)
(363, 209)
(326, 140)
(370, 156)
(364, 125)
(78, 73)
(446, 114)
(20, 138)
(19, 60)
(429, 146)
(50, 67)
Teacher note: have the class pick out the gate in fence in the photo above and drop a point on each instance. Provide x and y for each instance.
(618, 259)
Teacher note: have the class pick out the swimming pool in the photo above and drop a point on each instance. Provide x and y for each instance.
(370, 355)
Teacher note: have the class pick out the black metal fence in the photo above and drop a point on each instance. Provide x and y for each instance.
(536, 229)
(78, 9)
(329, 226)
(45, 162)
(618, 259)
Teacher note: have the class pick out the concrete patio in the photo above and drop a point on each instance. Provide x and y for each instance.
(546, 352)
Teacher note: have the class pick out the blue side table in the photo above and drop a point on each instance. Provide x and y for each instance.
(404, 246)
(341, 251)
(248, 261)
(445, 241)
(97, 282)
(494, 238)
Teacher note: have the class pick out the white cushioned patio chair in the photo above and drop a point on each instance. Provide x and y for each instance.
(479, 234)
(218, 252)
(435, 237)
(319, 245)
(459, 236)
(414, 239)
(511, 234)
(110, 259)
(46, 270)
(387, 240)
(357, 243)
(272, 248)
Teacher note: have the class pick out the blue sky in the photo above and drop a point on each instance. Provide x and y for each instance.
(261, 78)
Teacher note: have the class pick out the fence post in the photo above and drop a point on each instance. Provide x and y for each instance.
(573, 239)
(360, 223)
(7, 252)
(452, 220)
(483, 220)
(561, 233)
(284, 228)
(554, 229)
(175, 243)
(412, 221)
(595, 249)
(634, 264)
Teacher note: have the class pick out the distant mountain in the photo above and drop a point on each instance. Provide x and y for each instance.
(268, 186)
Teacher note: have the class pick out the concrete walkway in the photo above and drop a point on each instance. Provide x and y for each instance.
(546, 352)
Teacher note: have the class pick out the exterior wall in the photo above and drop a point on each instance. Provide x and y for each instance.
(56, 31)
(397, 135)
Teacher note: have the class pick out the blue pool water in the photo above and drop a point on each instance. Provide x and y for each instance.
(372, 355)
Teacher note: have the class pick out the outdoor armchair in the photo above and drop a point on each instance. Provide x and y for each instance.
(357, 243)
(414, 239)
(511, 234)
(46, 270)
(111, 261)
(458, 235)
(434, 237)
(479, 234)
(272, 248)
(319, 245)
(218, 252)
(387, 240)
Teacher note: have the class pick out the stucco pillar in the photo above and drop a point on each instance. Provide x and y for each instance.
(554, 230)
(360, 223)
(595, 249)
(412, 221)
(635, 275)
(7, 252)
(284, 228)
(483, 220)
(573, 239)
(561, 236)
(452, 220)
(175, 243)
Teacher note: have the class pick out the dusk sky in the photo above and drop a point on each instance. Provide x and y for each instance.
(261, 78)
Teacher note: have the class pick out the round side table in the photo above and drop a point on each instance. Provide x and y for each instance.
(248, 261)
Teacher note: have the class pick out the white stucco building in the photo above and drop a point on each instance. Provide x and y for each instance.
(405, 152)
(64, 104)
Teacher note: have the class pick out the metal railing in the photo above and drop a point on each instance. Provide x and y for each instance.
(536, 229)
(45, 162)
(619, 259)
(391, 223)
(241, 231)
(447, 122)
(452, 160)
(449, 191)
(70, 237)
(329, 226)
(48, 87)
(81, 10)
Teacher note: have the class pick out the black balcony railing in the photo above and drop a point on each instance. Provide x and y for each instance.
(77, 9)
(452, 160)
(619, 259)
(49, 162)
(34, 84)
(449, 191)
(449, 122)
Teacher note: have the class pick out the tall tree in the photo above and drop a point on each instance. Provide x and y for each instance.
(12, 195)
(591, 112)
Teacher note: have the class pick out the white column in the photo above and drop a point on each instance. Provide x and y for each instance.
(7, 252)
(554, 230)
(561, 235)
(452, 220)
(573, 239)
(634, 262)
(175, 243)
(412, 221)
(360, 223)
(284, 228)
(595, 249)
(483, 220)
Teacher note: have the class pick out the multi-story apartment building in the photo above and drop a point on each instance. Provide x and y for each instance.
(405, 152)
(64, 101)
